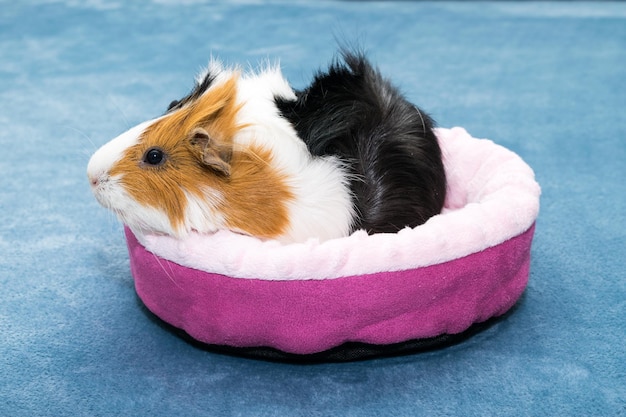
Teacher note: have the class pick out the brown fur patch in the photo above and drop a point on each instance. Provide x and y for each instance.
(256, 195)
(215, 111)
(253, 196)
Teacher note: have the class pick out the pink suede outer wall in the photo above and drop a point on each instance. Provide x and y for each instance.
(309, 316)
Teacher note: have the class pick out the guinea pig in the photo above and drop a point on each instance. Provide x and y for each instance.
(247, 153)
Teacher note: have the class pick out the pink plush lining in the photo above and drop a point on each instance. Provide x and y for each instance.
(464, 266)
(492, 197)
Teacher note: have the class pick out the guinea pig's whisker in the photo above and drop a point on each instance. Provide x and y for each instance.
(84, 135)
(119, 109)
(170, 273)
(83, 150)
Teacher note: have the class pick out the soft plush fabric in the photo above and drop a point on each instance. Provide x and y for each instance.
(545, 80)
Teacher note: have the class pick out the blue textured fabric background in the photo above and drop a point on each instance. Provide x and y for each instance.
(547, 80)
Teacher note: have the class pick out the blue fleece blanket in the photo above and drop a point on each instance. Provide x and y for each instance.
(547, 80)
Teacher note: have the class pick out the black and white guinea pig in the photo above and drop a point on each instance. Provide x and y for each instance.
(247, 153)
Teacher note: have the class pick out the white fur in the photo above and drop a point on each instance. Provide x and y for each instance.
(201, 214)
(111, 152)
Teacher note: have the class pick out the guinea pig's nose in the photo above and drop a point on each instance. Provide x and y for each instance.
(94, 181)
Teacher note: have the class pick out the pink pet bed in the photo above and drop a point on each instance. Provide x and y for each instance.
(361, 295)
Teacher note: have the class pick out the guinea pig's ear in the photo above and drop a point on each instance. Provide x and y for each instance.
(213, 154)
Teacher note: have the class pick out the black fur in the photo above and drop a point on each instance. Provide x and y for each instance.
(198, 90)
(352, 112)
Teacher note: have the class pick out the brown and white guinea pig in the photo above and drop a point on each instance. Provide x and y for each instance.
(247, 153)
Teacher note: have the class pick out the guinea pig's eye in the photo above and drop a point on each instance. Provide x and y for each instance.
(154, 156)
